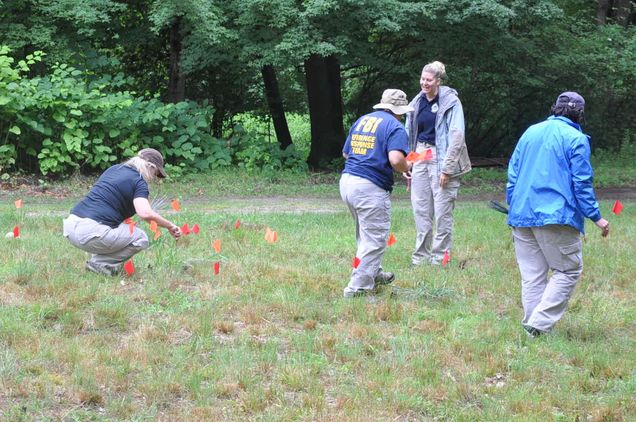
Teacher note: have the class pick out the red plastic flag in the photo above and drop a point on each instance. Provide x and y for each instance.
(16, 231)
(391, 240)
(427, 155)
(446, 259)
(185, 229)
(217, 246)
(237, 224)
(18, 204)
(129, 267)
(196, 229)
(617, 208)
(356, 262)
(157, 234)
(217, 268)
(175, 205)
(153, 226)
(131, 226)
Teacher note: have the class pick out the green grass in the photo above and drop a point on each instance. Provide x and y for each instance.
(271, 337)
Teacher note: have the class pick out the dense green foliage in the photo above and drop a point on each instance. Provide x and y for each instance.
(507, 58)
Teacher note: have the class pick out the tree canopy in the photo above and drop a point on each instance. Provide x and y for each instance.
(328, 59)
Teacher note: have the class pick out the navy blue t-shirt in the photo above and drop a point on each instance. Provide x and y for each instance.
(110, 200)
(370, 139)
(426, 116)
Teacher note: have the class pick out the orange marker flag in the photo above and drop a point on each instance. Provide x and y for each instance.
(217, 246)
(16, 232)
(175, 205)
(427, 155)
(129, 267)
(217, 268)
(617, 208)
(131, 225)
(271, 236)
(18, 204)
(391, 240)
(196, 229)
(446, 259)
(157, 234)
(185, 229)
(237, 224)
(153, 226)
(412, 156)
(356, 262)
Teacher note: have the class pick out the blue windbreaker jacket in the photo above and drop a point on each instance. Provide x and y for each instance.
(550, 177)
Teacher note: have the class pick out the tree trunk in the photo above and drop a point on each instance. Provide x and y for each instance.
(602, 10)
(325, 109)
(619, 11)
(623, 12)
(275, 104)
(176, 81)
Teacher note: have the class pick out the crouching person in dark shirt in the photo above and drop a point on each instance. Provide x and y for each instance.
(96, 224)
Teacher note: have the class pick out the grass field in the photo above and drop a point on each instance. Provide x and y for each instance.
(271, 338)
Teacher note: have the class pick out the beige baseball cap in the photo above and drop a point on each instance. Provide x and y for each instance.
(394, 100)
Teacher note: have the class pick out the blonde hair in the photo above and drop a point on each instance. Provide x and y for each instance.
(436, 68)
(146, 169)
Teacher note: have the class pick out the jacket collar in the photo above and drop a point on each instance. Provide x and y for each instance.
(567, 121)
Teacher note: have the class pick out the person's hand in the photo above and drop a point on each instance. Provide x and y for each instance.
(443, 180)
(407, 175)
(603, 224)
(175, 231)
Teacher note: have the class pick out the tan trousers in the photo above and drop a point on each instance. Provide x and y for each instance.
(432, 204)
(370, 207)
(540, 249)
(110, 247)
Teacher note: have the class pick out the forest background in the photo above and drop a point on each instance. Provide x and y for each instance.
(274, 84)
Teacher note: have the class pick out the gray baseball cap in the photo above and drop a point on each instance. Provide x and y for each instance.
(394, 100)
(153, 156)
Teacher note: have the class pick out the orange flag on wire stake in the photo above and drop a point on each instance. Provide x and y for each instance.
(217, 246)
(157, 234)
(356, 262)
(271, 236)
(237, 225)
(18, 204)
(16, 232)
(391, 240)
(129, 267)
(175, 205)
(617, 208)
(185, 229)
(446, 259)
(153, 226)
(217, 267)
(196, 229)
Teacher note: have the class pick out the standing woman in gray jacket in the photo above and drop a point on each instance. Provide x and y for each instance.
(436, 124)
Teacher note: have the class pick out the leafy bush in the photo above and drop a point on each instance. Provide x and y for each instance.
(62, 122)
(256, 152)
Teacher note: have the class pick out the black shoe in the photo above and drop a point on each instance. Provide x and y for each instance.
(533, 332)
(384, 278)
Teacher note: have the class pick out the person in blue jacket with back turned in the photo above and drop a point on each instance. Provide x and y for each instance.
(550, 193)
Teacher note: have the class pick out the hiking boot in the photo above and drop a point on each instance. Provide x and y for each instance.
(357, 293)
(102, 269)
(533, 332)
(384, 277)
